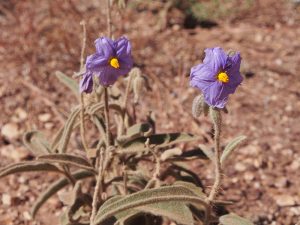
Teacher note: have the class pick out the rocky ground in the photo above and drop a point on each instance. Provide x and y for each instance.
(39, 37)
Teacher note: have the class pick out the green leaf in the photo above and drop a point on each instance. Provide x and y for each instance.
(233, 219)
(36, 143)
(159, 140)
(198, 153)
(138, 129)
(69, 82)
(175, 211)
(147, 197)
(55, 187)
(230, 147)
(135, 131)
(56, 139)
(65, 137)
(68, 159)
(31, 166)
(183, 168)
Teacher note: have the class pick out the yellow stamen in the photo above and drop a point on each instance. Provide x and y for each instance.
(223, 77)
(114, 62)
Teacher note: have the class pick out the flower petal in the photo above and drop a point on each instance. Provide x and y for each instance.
(202, 76)
(105, 47)
(86, 83)
(215, 58)
(216, 95)
(123, 47)
(95, 62)
(233, 71)
(108, 75)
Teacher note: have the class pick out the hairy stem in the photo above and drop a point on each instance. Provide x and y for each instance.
(217, 120)
(108, 18)
(98, 189)
(82, 128)
(106, 115)
(127, 92)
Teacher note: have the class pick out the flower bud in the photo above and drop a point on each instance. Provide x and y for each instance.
(199, 106)
(139, 84)
(135, 72)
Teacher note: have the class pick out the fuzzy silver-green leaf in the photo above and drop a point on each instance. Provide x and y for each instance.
(36, 143)
(230, 147)
(150, 196)
(30, 166)
(69, 82)
(55, 187)
(233, 219)
(68, 159)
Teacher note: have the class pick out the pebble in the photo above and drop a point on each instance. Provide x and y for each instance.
(27, 215)
(281, 182)
(284, 200)
(240, 167)
(6, 199)
(45, 117)
(10, 131)
(20, 115)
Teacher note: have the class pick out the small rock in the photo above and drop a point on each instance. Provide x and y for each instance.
(44, 117)
(240, 167)
(281, 182)
(249, 176)
(21, 114)
(10, 131)
(27, 215)
(49, 125)
(6, 199)
(285, 200)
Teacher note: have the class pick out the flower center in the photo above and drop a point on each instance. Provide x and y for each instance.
(114, 62)
(223, 77)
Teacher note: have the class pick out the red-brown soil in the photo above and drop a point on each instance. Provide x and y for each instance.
(39, 37)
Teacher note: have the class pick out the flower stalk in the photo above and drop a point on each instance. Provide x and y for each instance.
(217, 121)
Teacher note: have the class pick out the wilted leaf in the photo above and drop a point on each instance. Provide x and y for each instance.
(147, 197)
(31, 166)
(68, 159)
(36, 143)
(230, 147)
(55, 187)
(233, 219)
(69, 82)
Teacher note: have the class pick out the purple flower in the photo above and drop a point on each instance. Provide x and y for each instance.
(111, 60)
(217, 77)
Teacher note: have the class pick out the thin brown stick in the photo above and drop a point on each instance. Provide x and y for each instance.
(108, 19)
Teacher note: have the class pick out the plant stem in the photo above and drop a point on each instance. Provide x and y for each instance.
(82, 128)
(108, 18)
(99, 180)
(217, 120)
(106, 115)
(98, 187)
